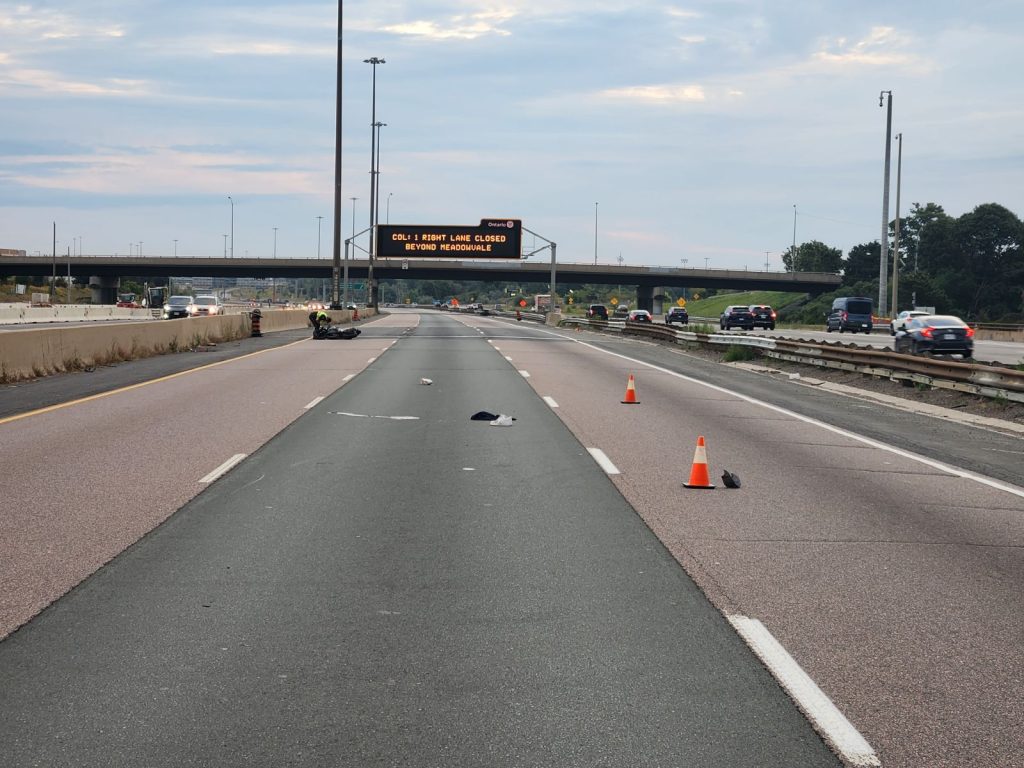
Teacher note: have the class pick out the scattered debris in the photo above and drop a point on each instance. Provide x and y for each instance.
(502, 421)
(488, 416)
(426, 382)
(731, 479)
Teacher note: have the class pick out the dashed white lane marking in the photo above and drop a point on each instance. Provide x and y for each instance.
(818, 707)
(525, 374)
(222, 468)
(550, 401)
(370, 360)
(508, 358)
(469, 469)
(603, 461)
(314, 401)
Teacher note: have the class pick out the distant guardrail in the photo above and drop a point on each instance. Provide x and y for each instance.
(986, 379)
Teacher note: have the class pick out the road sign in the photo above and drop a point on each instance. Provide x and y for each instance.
(491, 239)
(613, 301)
(522, 302)
(681, 302)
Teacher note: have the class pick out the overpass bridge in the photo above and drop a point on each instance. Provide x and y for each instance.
(103, 272)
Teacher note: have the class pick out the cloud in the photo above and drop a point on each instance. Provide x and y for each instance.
(656, 94)
(14, 80)
(462, 27)
(39, 24)
(883, 47)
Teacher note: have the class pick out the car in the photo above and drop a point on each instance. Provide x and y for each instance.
(621, 311)
(639, 316)
(597, 312)
(944, 334)
(677, 315)
(764, 316)
(899, 323)
(179, 306)
(209, 305)
(127, 301)
(738, 315)
(850, 313)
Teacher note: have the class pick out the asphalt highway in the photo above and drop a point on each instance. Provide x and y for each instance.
(384, 582)
(379, 580)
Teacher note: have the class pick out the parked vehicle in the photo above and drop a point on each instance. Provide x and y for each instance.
(179, 306)
(597, 312)
(677, 315)
(208, 305)
(899, 323)
(738, 316)
(943, 334)
(850, 313)
(764, 316)
(639, 316)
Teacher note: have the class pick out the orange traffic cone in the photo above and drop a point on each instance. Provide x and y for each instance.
(699, 477)
(631, 392)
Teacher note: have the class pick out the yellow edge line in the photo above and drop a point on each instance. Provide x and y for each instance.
(58, 406)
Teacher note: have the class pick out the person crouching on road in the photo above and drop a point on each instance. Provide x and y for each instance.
(319, 319)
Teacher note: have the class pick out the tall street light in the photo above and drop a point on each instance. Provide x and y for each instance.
(884, 260)
(232, 226)
(387, 216)
(896, 239)
(373, 61)
(175, 249)
(336, 250)
(225, 246)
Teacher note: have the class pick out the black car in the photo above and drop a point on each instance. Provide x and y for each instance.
(597, 312)
(738, 316)
(179, 306)
(764, 316)
(677, 315)
(943, 334)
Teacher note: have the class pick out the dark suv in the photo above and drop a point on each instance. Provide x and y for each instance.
(597, 312)
(764, 316)
(677, 315)
(738, 316)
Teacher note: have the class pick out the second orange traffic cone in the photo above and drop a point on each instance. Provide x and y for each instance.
(631, 392)
(699, 477)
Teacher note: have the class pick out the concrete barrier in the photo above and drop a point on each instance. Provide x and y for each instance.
(45, 351)
(25, 313)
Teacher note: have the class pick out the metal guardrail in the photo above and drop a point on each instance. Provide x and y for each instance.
(989, 380)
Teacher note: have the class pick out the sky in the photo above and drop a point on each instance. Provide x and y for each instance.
(653, 133)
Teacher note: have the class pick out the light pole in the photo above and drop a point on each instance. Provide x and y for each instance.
(896, 239)
(684, 263)
(273, 282)
(232, 226)
(318, 220)
(373, 61)
(706, 260)
(353, 199)
(884, 260)
(336, 245)
(766, 253)
(595, 234)
(387, 216)
(225, 246)
(140, 249)
(175, 249)
(793, 252)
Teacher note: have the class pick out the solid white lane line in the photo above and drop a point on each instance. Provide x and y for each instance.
(954, 471)
(603, 461)
(550, 401)
(314, 401)
(370, 360)
(525, 374)
(348, 378)
(223, 468)
(823, 714)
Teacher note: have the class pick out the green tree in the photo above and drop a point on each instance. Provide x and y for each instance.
(814, 256)
(911, 227)
(862, 261)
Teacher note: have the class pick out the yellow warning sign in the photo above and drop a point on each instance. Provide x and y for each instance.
(681, 302)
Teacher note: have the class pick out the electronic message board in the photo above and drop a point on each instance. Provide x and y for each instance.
(493, 239)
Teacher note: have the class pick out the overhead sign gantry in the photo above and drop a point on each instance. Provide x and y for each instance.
(492, 239)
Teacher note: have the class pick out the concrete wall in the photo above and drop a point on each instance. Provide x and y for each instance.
(44, 351)
(25, 313)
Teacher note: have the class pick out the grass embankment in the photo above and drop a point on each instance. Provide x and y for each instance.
(715, 305)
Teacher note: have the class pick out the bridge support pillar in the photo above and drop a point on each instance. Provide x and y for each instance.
(645, 298)
(104, 289)
(659, 301)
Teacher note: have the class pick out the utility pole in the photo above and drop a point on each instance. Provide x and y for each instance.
(336, 247)
(883, 263)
